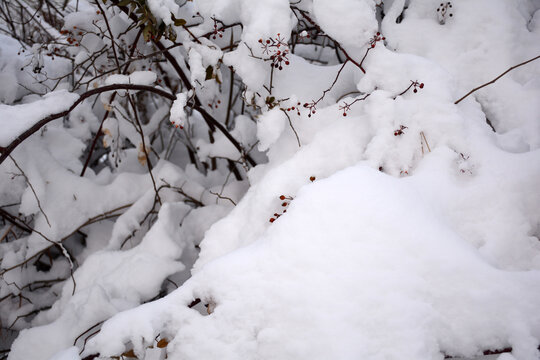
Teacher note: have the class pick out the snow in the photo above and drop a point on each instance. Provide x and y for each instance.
(355, 23)
(382, 220)
(354, 249)
(178, 114)
(137, 77)
(16, 119)
(163, 9)
(269, 128)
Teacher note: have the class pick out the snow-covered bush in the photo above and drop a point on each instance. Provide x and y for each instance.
(241, 179)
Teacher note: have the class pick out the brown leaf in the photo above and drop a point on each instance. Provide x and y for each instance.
(162, 343)
(130, 354)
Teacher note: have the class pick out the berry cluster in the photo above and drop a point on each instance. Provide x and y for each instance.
(295, 108)
(217, 32)
(345, 107)
(400, 131)
(443, 12)
(71, 39)
(278, 50)
(214, 104)
(312, 107)
(177, 125)
(286, 201)
(375, 39)
(416, 85)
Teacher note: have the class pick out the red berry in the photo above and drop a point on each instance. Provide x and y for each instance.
(312, 178)
(272, 220)
(415, 90)
(344, 114)
(287, 62)
(421, 85)
(285, 204)
(282, 197)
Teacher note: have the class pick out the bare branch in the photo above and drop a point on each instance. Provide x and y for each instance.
(9, 149)
(497, 78)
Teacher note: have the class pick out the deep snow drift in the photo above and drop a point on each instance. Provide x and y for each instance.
(411, 225)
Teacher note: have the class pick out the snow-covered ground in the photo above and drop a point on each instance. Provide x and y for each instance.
(383, 220)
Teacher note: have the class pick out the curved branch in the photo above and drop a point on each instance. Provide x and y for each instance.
(37, 126)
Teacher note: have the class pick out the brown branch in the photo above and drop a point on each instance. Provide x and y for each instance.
(148, 164)
(488, 352)
(209, 119)
(15, 220)
(37, 126)
(110, 34)
(497, 78)
(103, 216)
(98, 133)
(292, 127)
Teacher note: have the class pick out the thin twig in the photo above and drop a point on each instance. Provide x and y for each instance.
(148, 164)
(497, 78)
(425, 140)
(292, 127)
(222, 197)
(38, 125)
(32, 188)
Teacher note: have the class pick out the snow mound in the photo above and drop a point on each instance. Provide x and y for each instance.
(356, 270)
(16, 119)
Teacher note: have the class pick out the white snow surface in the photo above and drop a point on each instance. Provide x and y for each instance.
(352, 271)
(411, 245)
(137, 77)
(16, 119)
